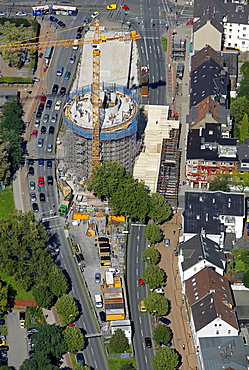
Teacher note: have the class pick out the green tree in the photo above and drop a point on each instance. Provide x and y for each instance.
(162, 334)
(118, 342)
(10, 33)
(241, 180)
(3, 296)
(127, 366)
(245, 279)
(156, 304)
(74, 339)
(153, 233)
(244, 129)
(67, 309)
(165, 359)
(160, 209)
(154, 276)
(245, 69)
(220, 183)
(243, 89)
(6, 368)
(238, 108)
(43, 296)
(57, 280)
(151, 255)
(105, 179)
(131, 199)
(4, 163)
(81, 367)
(49, 343)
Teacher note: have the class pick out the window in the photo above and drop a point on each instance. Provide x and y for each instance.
(215, 324)
(229, 332)
(217, 332)
(230, 29)
(229, 44)
(244, 35)
(219, 324)
(229, 36)
(244, 28)
(243, 42)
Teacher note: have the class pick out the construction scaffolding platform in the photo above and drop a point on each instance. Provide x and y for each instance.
(169, 170)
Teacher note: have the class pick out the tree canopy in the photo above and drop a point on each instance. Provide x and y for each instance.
(151, 256)
(162, 334)
(153, 233)
(156, 304)
(154, 276)
(118, 342)
(220, 183)
(126, 195)
(3, 296)
(67, 309)
(127, 366)
(165, 359)
(81, 367)
(74, 339)
(160, 209)
(245, 279)
(244, 133)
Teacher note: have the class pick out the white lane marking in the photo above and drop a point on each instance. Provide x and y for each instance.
(142, 333)
(137, 259)
(137, 295)
(136, 271)
(146, 359)
(140, 320)
(92, 351)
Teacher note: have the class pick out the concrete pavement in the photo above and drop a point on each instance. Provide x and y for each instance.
(173, 291)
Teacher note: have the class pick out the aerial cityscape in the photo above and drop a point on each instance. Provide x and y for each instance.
(124, 179)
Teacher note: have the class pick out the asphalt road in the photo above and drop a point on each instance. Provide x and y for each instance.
(141, 320)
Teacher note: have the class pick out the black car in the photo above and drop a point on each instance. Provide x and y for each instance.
(41, 107)
(42, 198)
(3, 361)
(43, 130)
(2, 322)
(31, 354)
(164, 320)
(49, 104)
(80, 29)
(102, 316)
(4, 348)
(53, 19)
(148, 342)
(51, 130)
(55, 89)
(62, 91)
(31, 171)
(50, 180)
(35, 207)
(80, 359)
(61, 24)
(32, 330)
(38, 114)
(31, 162)
(3, 354)
(78, 36)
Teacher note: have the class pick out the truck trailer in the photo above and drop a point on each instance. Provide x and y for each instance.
(145, 81)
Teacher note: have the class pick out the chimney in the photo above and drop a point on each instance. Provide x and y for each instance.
(200, 131)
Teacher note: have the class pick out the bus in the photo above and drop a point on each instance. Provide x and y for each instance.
(40, 10)
(64, 10)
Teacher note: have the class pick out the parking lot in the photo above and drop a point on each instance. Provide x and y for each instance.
(16, 340)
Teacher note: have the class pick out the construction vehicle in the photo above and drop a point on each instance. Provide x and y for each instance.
(95, 97)
(64, 207)
(65, 188)
(145, 81)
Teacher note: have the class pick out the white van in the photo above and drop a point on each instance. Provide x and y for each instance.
(98, 301)
(60, 70)
(75, 45)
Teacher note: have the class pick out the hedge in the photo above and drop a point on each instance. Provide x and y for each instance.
(16, 80)
(16, 21)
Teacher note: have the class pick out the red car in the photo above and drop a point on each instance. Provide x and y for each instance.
(43, 99)
(125, 7)
(71, 325)
(34, 133)
(191, 22)
(40, 181)
(141, 282)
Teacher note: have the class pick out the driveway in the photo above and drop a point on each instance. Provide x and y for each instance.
(16, 340)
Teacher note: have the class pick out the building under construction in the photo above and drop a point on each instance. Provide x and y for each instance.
(118, 128)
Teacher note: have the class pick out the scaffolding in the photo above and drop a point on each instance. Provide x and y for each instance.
(169, 170)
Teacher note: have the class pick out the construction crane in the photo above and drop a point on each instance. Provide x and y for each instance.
(97, 39)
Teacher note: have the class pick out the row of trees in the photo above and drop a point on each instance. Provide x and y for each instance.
(50, 343)
(11, 142)
(126, 195)
(224, 180)
(25, 257)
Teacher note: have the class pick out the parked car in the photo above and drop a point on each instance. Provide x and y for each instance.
(43, 130)
(32, 330)
(41, 181)
(35, 207)
(46, 118)
(57, 105)
(31, 171)
(61, 24)
(3, 361)
(80, 358)
(63, 90)
(36, 79)
(2, 14)
(80, 29)
(4, 348)
(97, 277)
(38, 115)
(21, 14)
(164, 320)
(51, 130)
(55, 89)
(54, 117)
(166, 242)
(78, 36)
(42, 198)
(49, 164)
(32, 196)
(43, 99)
(50, 180)
(41, 107)
(32, 187)
(50, 148)
(102, 316)
(40, 142)
(141, 282)
(49, 104)
(41, 162)
(72, 59)
(34, 133)
(53, 19)
(37, 123)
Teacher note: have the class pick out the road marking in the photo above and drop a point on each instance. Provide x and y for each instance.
(140, 320)
(143, 346)
(146, 359)
(137, 259)
(136, 271)
(142, 333)
(92, 351)
(137, 298)
(95, 364)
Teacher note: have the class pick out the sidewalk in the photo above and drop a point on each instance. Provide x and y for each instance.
(173, 291)
(52, 318)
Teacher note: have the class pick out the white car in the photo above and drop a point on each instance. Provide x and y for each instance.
(2, 14)
(21, 14)
(57, 105)
(95, 14)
